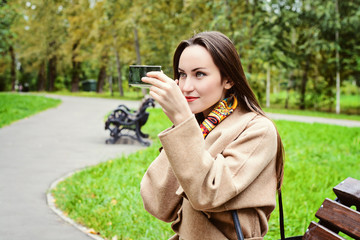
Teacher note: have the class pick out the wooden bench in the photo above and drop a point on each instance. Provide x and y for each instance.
(125, 122)
(337, 215)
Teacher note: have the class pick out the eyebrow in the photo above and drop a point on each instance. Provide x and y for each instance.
(194, 70)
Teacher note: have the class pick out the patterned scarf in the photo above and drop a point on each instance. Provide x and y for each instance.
(219, 113)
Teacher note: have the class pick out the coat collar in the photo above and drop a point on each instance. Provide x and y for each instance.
(227, 131)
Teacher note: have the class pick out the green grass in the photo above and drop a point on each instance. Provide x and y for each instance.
(318, 157)
(106, 197)
(14, 106)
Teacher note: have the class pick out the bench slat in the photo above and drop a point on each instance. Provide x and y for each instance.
(348, 192)
(318, 232)
(341, 217)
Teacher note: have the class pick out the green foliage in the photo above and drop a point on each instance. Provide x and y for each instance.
(85, 39)
(18, 106)
(7, 16)
(347, 102)
(106, 197)
(350, 103)
(7, 56)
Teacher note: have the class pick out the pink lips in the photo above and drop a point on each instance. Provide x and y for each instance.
(191, 99)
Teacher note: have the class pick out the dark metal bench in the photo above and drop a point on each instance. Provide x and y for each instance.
(125, 122)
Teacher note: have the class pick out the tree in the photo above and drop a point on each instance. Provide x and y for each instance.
(7, 17)
(118, 15)
(79, 18)
(40, 33)
(56, 44)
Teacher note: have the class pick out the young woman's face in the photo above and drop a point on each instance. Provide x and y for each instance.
(200, 80)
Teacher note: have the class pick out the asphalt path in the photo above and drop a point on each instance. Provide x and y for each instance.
(38, 151)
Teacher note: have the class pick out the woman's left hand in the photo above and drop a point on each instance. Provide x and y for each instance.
(168, 94)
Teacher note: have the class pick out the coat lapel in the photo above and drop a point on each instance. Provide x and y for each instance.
(224, 133)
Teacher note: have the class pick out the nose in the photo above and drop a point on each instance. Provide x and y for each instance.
(187, 85)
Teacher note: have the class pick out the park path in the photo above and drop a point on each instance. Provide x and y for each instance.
(306, 119)
(35, 152)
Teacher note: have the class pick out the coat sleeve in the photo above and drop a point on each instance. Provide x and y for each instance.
(210, 182)
(157, 189)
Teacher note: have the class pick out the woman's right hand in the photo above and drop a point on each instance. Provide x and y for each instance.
(168, 94)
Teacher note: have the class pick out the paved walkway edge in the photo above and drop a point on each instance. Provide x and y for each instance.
(51, 203)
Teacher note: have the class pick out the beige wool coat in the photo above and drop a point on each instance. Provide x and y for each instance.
(194, 183)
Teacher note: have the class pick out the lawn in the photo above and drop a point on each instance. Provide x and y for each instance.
(106, 197)
(14, 106)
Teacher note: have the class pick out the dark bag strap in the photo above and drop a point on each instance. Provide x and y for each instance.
(240, 235)
(281, 216)
(235, 217)
(281, 219)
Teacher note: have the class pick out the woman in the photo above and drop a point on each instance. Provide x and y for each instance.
(232, 161)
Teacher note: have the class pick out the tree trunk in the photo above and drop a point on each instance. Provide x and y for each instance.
(137, 47)
(41, 77)
(291, 80)
(337, 61)
(12, 68)
(75, 77)
(52, 68)
(101, 79)
(303, 85)
(138, 56)
(118, 68)
(76, 66)
(251, 8)
(268, 87)
(337, 92)
(52, 73)
(111, 85)
(330, 94)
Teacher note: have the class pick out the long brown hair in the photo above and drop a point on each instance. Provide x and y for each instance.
(226, 58)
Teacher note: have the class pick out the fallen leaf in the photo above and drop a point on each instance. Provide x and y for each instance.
(113, 202)
(92, 231)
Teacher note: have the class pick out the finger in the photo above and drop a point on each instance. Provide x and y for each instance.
(158, 98)
(158, 91)
(159, 75)
(153, 81)
(154, 96)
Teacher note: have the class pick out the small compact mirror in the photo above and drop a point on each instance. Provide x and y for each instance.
(136, 72)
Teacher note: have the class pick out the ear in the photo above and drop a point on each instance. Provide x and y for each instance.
(228, 84)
